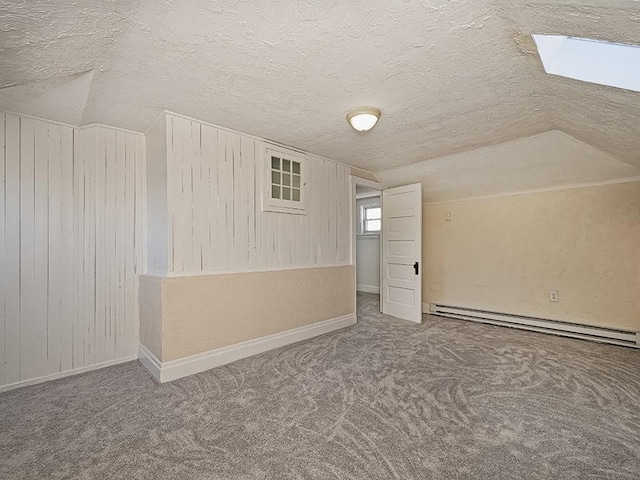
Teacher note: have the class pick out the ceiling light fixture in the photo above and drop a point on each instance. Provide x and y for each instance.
(363, 118)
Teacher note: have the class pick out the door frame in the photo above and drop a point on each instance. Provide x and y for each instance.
(354, 181)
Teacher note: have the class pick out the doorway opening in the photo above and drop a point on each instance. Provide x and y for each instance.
(387, 247)
(368, 217)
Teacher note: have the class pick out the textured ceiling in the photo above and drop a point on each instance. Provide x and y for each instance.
(449, 76)
(551, 160)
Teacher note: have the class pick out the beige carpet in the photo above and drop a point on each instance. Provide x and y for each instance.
(383, 399)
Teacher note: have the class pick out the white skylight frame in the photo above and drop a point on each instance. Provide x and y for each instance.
(595, 61)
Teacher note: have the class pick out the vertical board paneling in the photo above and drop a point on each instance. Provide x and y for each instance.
(29, 351)
(123, 233)
(107, 223)
(47, 245)
(136, 261)
(128, 285)
(247, 200)
(125, 249)
(93, 145)
(214, 195)
(186, 167)
(78, 208)
(40, 253)
(227, 179)
(71, 244)
(103, 263)
(3, 265)
(11, 275)
(199, 196)
(237, 204)
(67, 254)
(53, 246)
(208, 142)
(138, 171)
(153, 218)
(172, 191)
(221, 213)
(176, 171)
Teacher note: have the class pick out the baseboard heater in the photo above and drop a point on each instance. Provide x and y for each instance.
(626, 338)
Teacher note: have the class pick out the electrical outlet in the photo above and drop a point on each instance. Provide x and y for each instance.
(447, 216)
(553, 296)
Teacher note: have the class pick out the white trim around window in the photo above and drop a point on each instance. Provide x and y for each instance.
(285, 182)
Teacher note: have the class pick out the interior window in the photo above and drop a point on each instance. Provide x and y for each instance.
(371, 219)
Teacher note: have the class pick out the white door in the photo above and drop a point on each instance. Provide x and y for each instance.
(402, 252)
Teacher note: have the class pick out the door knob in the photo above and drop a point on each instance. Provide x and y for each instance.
(416, 267)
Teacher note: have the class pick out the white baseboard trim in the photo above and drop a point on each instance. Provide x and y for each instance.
(66, 373)
(150, 362)
(368, 289)
(174, 369)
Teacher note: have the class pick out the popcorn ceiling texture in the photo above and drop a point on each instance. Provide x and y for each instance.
(548, 160)
(448, 76)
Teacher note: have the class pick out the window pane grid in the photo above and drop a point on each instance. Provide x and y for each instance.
(285, 179)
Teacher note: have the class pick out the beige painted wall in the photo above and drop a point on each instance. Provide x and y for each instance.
(505, 254)
(204, 312)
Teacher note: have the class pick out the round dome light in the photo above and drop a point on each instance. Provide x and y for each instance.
(363, 118)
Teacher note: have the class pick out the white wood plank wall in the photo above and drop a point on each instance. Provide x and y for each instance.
(71, 243)
(214, 185)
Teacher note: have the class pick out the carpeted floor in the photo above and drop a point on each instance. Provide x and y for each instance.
(384, 399)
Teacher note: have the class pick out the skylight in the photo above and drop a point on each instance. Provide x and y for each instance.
(595, 61)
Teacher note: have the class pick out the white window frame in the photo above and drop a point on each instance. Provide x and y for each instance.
(279, 205)
(363, 216)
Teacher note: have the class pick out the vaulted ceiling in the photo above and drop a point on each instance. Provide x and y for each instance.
(449, 76)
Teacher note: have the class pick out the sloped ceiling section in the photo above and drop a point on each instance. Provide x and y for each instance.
(62, 99)
(548, 160)
(605, 117)
(41, 40)
(448, 76)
